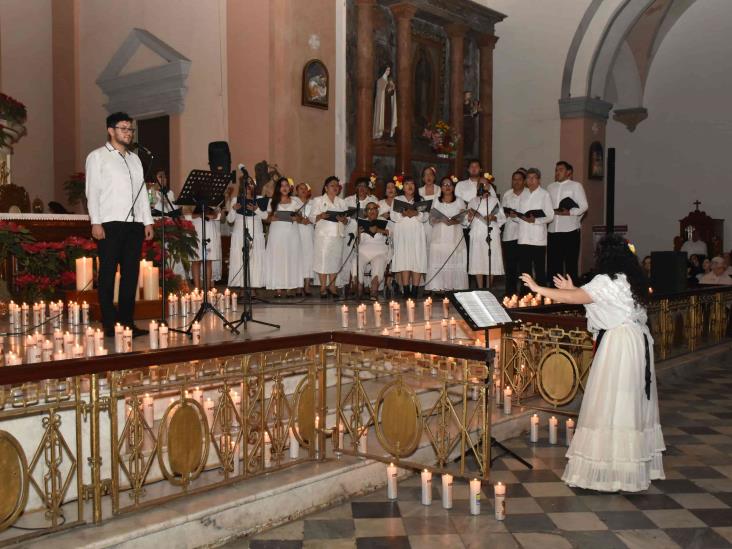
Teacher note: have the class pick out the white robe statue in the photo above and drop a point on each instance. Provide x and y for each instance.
(385, 91)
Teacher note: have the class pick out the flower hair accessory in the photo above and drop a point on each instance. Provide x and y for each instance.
(433, 170)
(454, 178)
(372, 181)
(398, 181)
(631, 247)
(307, 186)
(291, 181)
(488, 176)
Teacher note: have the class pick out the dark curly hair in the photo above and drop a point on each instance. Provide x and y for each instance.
(614, 257)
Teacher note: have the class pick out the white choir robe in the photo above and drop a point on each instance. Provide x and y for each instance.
(479, 231)
(427, 226)
(410, 243)
(283, 256)
(446, 271)
(328, 235)
(349, 257)
(256, 247)
(374, 251)
(307, 236)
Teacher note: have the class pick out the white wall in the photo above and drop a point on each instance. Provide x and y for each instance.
(528, 62)
(681, 153)
(26, 76)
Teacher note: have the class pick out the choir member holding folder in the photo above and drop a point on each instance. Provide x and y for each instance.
(307, 232)
(359, 200)
(283, 256)
(510, 201)
(535, 212)
(373, 249)
(484, 212)
(254, 212)
(448, 253)
(409, 213)
(328, 214)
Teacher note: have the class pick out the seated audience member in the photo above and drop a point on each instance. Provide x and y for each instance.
(646, 265)
(718, 276)
(706, 268)
(727, 256)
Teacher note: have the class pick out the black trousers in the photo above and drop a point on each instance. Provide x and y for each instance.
(121, 247)
(511, 262)
(563, 254)
(533, 261)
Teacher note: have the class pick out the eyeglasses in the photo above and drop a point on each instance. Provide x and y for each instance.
(125, 130)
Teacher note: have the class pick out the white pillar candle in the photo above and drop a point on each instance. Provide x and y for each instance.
(197, 395)
(118, 338)
(499, 495)
(397, 331)
(363, 441)
(570, 431)
(153, 328)
(36, 314)
(443, 329)
(410, 310)
(361, 316)
(115, 298)
(498, 393)
(185, 302)
(453, 328)
(11, 311)
(534, 436)
(208, 408)
(445, 308)
(30, 349)
(427, 331)
(227, 299)
(341, 432)
(75, 314)
(377, 314)
(446, 491)
(141, 274)
(553, 424)
(85, 313)
(391, 481)
(47, 351)
(344, 316)
(84, 274)
(127, 340)
(101, 351)
(475, 497)
(89, 341)
(148, 409)
(59, 355)
(397, 313)
(316, 436)
(234, 302)
(24, 313)
(163, 336)
(507, 392)
(196, 333)
(77, 351)
(267, 451)
(151, 289)
(172, 304)
(294, 445)
(427, 308)
(474, 389)
(410, 331)
(426, 487)
(385, 332)
(68, 343)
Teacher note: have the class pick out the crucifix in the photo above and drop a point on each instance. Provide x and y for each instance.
(696, 203)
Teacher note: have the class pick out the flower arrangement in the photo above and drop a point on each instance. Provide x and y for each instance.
(75, 188)
(12, 239)
(442, 139)
(13, 116)
(398, 181)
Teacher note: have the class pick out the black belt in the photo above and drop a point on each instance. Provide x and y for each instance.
(647, 388)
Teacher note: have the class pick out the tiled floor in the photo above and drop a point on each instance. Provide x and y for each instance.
(691, 508)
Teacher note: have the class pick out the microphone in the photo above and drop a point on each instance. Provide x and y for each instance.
(144, 148)
(243, 169)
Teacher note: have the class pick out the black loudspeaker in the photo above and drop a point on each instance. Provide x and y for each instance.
(219, 156)
(668, 272)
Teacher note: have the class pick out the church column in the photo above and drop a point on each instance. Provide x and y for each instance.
(486, 43)
(456, 32)
(403, 14)
(364, 87)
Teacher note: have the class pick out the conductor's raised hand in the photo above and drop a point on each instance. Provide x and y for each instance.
(563, 283)
(527, 279)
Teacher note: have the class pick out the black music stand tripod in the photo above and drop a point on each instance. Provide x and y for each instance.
(201, 188)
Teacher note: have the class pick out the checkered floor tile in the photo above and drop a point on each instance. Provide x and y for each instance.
(691, 508)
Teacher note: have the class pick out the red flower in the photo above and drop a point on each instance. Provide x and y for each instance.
(68, 278)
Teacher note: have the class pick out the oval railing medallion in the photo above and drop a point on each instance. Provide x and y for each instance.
(399, 428)
(13, 480)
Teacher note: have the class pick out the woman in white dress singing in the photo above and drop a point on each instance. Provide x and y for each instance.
(253, 217)
(485, 211)
(448, 253)
(304, 192)
(410, 242)
(283, 258)
(327, 251)
(618, 441)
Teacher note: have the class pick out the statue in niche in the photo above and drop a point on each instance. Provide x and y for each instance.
(471, 110)
(424, 92)
(385, 109)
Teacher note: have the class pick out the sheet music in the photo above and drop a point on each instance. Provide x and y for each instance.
(483, 308)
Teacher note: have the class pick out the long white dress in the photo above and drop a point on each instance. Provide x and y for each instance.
(328, 245)
(283, 256)
(410, 243)
(618, 441)
(213, 235)
(447, 240)
(256, 250)
(478, 233)
(427, 226)
(307, 233)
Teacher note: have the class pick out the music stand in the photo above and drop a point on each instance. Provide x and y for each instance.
(482, 311)
(201, 188)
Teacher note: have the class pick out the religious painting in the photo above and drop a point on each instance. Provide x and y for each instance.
(597, 161)
(315, 83)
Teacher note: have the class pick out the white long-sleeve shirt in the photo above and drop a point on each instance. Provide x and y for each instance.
(534, 234)
(511, 228)
(574, 190)
(321, 204)
(466, 190)
(113, 180)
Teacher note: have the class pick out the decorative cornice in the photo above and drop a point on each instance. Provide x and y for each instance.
(487, 41)
(584, 107)
(403, 10)
(630, 118)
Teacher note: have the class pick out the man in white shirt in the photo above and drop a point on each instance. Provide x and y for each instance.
(563, 243)
(467, 189)
(695, 246)
(119, 210)
(532, 228)
(510, 201)
(717, 276)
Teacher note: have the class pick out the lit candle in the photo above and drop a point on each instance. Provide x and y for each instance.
(410, 310)
(196, 333)
(445, 308)
(427, 330)
(410, 331)
(153, 328)
(163, 336)
(172, 304)
(118, 338)
(443, 329)
(127, 340)
(475, 497)
(341, 432)
(68, 343)
(361, 316)
(344, 316)
(397, 331)
(453, 328)
(85, 313)
(84, 274)
(534, 436)
(426, 487)
(446, 491)
(151, 289)
(553, 424)
(24, 314)
(391, 481)
(377, 314)
(77, 351)
(391, 311)
(75, 314)
(227, 299)
(101, 351)
(294, 445)
(267, 451)
(30, 349)
(507, 392)
(141, 273)
(47, 351)
(315, 434)
(197, 395)
(36, 314)
(363, 441)
(570, 431)
(427, 308)
(499, 495)
(59, 355)
(397, 313)
(234, 302)
(385, 332)
(89, 341)
(148, 410)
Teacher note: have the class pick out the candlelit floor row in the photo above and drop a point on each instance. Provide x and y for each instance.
(691, 508)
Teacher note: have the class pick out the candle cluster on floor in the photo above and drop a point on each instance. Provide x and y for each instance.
(529, 300)
(553, 430)
(185, 304)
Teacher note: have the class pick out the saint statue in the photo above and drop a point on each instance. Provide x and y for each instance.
(385, 110)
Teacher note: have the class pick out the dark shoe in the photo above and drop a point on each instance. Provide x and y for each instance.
(137, 332)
